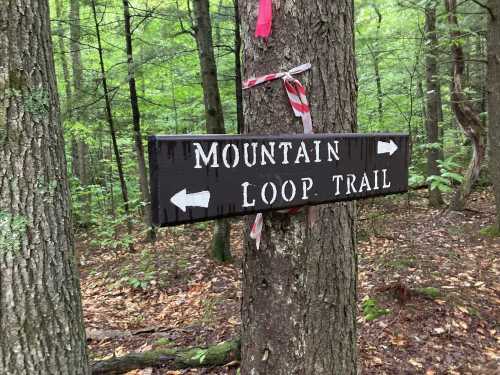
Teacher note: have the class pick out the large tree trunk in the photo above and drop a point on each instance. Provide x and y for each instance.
(433, 102)
(110, 120)
(467, 117)
(494, 100)
(136, 120)
(41, 324)
(299, 289)
(213, 108)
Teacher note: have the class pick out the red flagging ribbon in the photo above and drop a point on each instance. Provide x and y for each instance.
(265, 19)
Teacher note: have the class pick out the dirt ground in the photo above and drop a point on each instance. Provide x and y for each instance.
(429, 291)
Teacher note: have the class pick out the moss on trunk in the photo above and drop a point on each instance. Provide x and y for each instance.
(178, 358)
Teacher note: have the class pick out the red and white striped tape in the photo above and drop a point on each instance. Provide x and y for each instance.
(298, 100)
(294, 89)
(256, 232)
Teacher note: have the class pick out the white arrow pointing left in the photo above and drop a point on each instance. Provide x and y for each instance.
(182, 199)
(386, 147)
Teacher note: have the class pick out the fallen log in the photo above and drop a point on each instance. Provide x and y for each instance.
(171, 358)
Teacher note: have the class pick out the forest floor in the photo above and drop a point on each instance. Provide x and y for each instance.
(428, 291)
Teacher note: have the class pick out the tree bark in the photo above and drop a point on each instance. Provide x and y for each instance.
(433, 102)
(173, 359)
(136, 121)
(214, 114)
(467, 117)
(299, 289)
(494, 101)
(41, 324)
(109, 118)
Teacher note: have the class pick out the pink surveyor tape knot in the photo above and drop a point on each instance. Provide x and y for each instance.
(298, 101)
(264, 19)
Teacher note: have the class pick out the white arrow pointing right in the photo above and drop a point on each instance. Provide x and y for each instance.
(386, 147)
(182, 199)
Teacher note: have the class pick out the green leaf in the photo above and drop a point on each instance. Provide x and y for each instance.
(454, 176)
(200, 355)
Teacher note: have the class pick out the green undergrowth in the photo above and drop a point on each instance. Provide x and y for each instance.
(491, 231)
(371, 310)
(429, 292)
(400, 264)
(151, 269)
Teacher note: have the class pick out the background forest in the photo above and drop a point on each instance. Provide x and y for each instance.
(127, 70)
(393, 47)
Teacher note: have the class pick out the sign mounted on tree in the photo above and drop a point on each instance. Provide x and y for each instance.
(196, 178)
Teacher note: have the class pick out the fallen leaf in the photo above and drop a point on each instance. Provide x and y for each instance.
(398, 340)
(377, 360)
(415, 363)
(439, 330)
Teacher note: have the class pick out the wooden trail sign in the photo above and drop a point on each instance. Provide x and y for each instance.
(196, 178)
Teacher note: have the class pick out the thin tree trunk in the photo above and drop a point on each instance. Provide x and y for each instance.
(68, 102)
(433, 102)
(211, 94)
(41, 323)
(494, 101)
(466, 116)
(380, 94)
(109, 118)
(217, 20)
(81, 162)
(140, 73)
(299, 289)
(480, 80)
(174, 100)
(213, 109)
(136, 120)
(82, 149)
(76, 57)
(62, 58)
(237, 69)
(376, 66)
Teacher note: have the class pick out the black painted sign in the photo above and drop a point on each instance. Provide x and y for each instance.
(196, 178)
